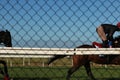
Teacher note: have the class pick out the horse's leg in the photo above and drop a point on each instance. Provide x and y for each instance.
(88, 70)
(55, 57)
(78, 61)
(1, 71)
(71, 71)
(5, 73)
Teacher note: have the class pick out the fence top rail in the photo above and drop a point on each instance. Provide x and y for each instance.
(57, 51)
(61, 49)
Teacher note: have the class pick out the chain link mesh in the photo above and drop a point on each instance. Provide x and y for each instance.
(54, 24)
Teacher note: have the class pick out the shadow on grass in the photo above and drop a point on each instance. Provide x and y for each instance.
(30, 79)
(108, 79)
(50, 79)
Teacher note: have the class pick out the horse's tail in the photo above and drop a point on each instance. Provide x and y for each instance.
(55, 57)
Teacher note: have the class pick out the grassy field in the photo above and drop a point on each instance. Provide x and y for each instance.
(33, 70)
(59, 73)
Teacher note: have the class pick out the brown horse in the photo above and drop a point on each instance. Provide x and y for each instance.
(5, 38)
(84, 60)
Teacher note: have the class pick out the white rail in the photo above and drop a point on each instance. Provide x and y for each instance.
(46, 52)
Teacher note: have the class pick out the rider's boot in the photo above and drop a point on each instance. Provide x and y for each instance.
(105, 44)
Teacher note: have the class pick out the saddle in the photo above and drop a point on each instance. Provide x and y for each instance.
(97, 45)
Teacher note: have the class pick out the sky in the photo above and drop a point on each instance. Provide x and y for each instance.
(56, 23)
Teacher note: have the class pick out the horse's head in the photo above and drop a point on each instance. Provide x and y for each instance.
(116, 42)
(5, 38)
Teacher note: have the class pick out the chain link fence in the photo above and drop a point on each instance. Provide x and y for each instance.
(55, 24)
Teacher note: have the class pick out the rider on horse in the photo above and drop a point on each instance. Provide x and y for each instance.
(106, 31)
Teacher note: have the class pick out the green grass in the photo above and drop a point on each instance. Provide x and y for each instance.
(47, 73)
(59, 73)
(56, 71)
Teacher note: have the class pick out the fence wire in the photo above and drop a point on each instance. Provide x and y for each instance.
(54, 24)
